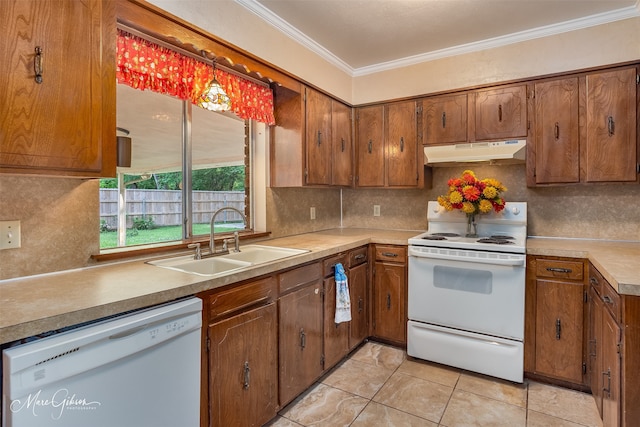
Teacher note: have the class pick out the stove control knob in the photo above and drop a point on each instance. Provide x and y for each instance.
(515, 211)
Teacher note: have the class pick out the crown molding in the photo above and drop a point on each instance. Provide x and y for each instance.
(549, 30)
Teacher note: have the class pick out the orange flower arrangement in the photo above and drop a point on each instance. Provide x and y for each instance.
(473, 195)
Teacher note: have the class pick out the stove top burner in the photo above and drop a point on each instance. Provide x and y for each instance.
(440, 236)
(497, 240)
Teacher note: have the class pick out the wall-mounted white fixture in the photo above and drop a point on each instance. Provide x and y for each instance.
(9, 234)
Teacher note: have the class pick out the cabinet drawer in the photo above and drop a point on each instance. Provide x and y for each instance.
(358, 256)
(611, 300)
(595, 279)
(238, 298)
(558, 269)
(300, 276)
(328, 265)
(391, 253)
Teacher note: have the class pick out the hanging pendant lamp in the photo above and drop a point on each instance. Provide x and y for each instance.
(214, 98)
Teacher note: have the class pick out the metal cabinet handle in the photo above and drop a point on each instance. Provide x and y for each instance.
(556, 131)
(303, 338)
(388, 301)
(500, 112)
(370, 146)
(558, 329)
(608, 387)
(593, 280)
(360, 305)
(559, 270)
(611, 126)
(37, 65)
(444, 119)
(359, 257)
(342, 141)
(607, 299)
(319, 138)
(247, 376)
(391, 254)
(401, 144)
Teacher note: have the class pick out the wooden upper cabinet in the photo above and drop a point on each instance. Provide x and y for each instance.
(402, 144)
(445, 119)
(501, 113)
(318, 138)
(611, 142)
(557, 132)
(64, 125)
(342, 147)
(387, 145)
(370, 146)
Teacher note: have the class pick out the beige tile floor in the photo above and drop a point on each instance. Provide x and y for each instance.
(378, 386)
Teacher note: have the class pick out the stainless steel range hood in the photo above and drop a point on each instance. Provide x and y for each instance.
(492, 152)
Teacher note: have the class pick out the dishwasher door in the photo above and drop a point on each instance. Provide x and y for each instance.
(135, 370)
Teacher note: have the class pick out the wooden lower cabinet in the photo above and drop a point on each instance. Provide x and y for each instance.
(359, 328)
(390, 294)
(243, 368)
(336, 335)
(301, 324)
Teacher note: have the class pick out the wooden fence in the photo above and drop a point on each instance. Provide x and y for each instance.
(165, 206)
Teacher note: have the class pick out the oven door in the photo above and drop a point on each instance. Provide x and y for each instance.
(460, 289)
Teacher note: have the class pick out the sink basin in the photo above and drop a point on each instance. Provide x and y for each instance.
(258, 254)
(224, 264)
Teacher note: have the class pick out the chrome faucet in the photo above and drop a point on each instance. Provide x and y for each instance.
(236, 236)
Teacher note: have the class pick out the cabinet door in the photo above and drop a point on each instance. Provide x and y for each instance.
(501, 113)
(610, 370)
(559, 320)
(445, 119)
(342, 161)
(595, 347)
(610, 148)
(336, 335)
(370, 146)
(65, 124)
(300, 340)
(389, 292)
(318, 138)
(557, 149)
(359, 329)
(243, 368)
(402, 144)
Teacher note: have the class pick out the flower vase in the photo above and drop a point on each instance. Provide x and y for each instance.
(472, 230)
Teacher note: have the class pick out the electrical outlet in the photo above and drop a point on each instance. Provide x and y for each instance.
(376, 210)
(313, 212)
(9, 234)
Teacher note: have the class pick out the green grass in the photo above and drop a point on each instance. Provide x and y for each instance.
(109, 239)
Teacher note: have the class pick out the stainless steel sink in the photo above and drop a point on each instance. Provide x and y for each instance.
(228, 263)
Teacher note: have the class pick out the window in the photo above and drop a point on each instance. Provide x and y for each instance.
(177, 178)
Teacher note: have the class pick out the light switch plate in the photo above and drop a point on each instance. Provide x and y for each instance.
(9, 234)
(376, 210)
(312, 212)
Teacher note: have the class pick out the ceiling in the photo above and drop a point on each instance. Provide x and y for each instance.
(366, 36)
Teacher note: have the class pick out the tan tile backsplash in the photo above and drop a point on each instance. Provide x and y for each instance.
(60, 226)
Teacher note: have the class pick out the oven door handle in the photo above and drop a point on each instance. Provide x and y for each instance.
(494, 258)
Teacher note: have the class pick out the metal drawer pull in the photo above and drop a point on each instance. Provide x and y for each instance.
(391, 254)
(559, 270)
(388, 301)
(37, 65)
(558, 328)
(607, 299)
(342, 141)
(593, 280)
(319, 138)
(247, 375)
(359, 257)
(500, 112)
(556, 131)
(611, 126)
(401, 144)
(303, 338)
(444, 119)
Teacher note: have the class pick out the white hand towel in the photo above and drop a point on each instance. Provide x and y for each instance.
(343, 303)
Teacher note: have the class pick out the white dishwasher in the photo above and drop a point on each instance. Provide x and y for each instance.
(135, 370)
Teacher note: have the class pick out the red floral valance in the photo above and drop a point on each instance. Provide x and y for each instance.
(143, 65)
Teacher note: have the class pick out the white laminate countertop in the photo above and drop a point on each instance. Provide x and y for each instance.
(36, 304)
